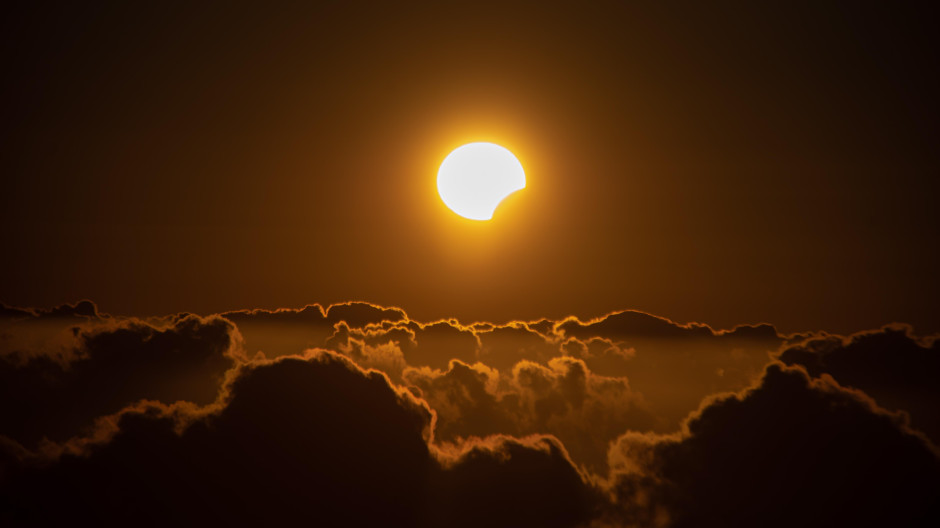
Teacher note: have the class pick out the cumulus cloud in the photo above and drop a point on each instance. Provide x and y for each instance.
(891, 365)
(641, 325)
(99, 365)
(558, 399)
(82, 309)
(288, 331)
(313, 440)
(792, 451)
(29, 332)
(673, 365)
(503, 346)
(422, 344)
(386, 357)
(630, 380)
(508, 482)
(354, 414)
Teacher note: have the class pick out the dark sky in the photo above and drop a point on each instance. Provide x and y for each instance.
(722, 162)
(204, 172)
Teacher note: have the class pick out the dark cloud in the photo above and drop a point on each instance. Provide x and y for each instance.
(359, 314)
(503, 346)
(793, 451)
(526, 423)
(558, 399)
(11, 312)
(891, 365)
(466, 399)
(431, 344)
(509, 482)
(33, 332)
(97, 368)
(516, 378)
(631, 323)
(585, 410)
(673, 365)
(310, 440)
(601, 354)
(288, 331)
(310, 314)
(438, 342)
(638, 325)
(385, 356)
(542, 326)
(356, 314)
(83, 308)
(421, 344)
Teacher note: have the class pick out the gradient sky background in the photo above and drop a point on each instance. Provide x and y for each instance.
(733, 199)
(723, 163)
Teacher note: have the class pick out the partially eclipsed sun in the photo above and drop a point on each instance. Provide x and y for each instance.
(475, 178)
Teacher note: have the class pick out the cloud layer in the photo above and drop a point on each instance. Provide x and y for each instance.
(791, 451)
(354, 414)
(891, 365)
(312, 439)
(61, 369)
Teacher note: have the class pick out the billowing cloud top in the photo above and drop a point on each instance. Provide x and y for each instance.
(355, 414)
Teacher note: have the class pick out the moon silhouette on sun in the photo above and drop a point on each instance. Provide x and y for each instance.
(476, 177)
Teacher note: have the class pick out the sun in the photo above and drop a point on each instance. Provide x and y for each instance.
(476, 177)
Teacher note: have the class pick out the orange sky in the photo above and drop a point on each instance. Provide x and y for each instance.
(722, 163)
(681, 321)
